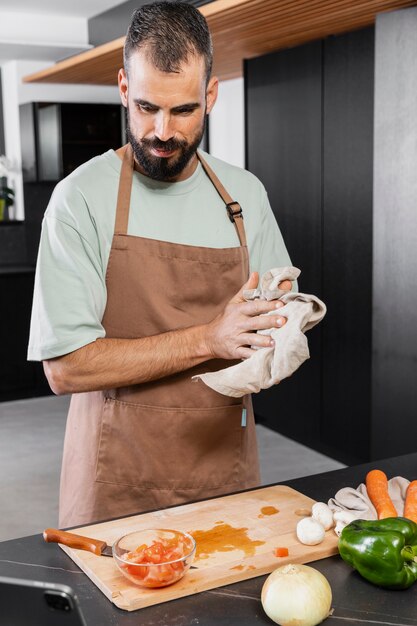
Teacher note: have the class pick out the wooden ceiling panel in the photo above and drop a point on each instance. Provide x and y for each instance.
(241, 29)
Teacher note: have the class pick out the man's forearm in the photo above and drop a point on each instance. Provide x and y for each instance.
(110, 363)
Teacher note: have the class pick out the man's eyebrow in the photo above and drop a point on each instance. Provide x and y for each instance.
(189, 106)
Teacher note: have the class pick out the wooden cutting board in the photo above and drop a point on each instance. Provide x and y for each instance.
(235, 536)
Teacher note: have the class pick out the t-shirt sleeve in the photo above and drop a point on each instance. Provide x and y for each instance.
(70, 292)
(272, 249)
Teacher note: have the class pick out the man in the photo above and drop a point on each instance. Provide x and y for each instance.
(142, 263)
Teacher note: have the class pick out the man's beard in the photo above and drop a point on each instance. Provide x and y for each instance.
(162, 168)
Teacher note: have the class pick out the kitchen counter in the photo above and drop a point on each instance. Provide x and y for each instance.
(17, 269)
(355, 601)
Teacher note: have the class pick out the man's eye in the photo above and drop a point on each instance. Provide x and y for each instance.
(146, 108)
(184, 111)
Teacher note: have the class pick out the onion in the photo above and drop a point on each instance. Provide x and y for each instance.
(296, 594)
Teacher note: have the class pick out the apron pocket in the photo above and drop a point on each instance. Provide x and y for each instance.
(170, 448)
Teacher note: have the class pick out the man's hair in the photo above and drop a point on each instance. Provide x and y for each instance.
(170, 32)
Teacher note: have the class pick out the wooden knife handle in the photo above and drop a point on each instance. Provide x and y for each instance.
(52, 535)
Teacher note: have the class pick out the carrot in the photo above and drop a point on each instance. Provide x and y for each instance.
(377, 488)
(280, 551)
(410, 506)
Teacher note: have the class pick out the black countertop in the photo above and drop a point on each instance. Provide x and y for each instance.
(17, 269)
(355, 601)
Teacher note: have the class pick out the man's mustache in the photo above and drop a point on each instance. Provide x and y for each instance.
(171, 144)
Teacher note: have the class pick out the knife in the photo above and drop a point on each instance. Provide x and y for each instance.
(53, 535)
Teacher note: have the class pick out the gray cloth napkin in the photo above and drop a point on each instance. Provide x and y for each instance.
(357, 502)
(268, 366)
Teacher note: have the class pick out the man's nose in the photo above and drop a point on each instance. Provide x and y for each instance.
(163, 127)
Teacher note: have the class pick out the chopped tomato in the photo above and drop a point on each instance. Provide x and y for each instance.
(155, 553)
(134, 558)
(139, 572)
(160, 563)
(141, 548)
(280, 551)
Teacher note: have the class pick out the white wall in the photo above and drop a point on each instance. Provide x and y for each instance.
(42, 28)
(226, 126)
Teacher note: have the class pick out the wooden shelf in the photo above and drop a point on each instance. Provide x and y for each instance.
(241, 29)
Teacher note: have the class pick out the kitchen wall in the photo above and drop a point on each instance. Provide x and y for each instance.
(42, 30)
(227, 126)
(394, 389)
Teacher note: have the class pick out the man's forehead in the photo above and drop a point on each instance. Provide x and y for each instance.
(143, 66)
(146, 82)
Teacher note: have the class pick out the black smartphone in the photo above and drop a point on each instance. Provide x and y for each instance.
(35, 603)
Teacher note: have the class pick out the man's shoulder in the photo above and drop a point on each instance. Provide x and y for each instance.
(232, 174)
(90, 184)
(91, 174)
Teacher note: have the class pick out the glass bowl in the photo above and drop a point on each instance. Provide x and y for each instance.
(155, 557)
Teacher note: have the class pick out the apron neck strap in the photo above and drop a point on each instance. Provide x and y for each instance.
(233, 208)
(125, 188)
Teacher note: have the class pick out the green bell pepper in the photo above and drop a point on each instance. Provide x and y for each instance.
(382, 551)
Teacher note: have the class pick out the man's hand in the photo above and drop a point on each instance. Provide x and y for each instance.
(232, 332)
(109, 362)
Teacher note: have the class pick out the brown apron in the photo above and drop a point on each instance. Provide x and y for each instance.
(169, 441)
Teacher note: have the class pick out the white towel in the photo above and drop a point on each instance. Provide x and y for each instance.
(268, 366)
(357, 501)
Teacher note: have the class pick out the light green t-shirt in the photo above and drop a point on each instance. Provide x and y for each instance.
(77, 231)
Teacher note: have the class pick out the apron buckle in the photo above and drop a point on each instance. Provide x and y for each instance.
(234, 213)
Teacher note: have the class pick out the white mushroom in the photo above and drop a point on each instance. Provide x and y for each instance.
(339, 527)
(310, 531)
(343, 516)
(323, 514)
(342, 519)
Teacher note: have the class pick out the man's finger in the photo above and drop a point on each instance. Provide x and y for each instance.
(251, 283)
(285, 285)
(263, 322)
(245, 353)
(260, 307)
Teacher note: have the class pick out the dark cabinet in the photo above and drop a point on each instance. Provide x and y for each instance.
(347, 196)
(58, 137)
(283, 145)
(18, 377)
(309, 134)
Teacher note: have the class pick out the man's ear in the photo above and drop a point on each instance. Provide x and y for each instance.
(211, 93)
(123, 86)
